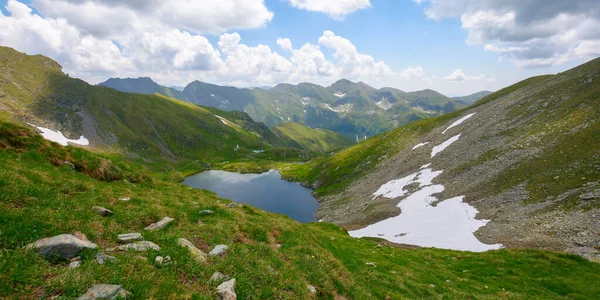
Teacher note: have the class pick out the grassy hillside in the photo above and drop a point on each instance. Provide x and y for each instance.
(142, 85)
(270, 255)
(470, 99)
(151, 128)
(317, 140)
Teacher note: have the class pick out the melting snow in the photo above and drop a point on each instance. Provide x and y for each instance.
(444, 145)
(426, 166)
(58, 137)
(420, 145)
(458, 122)
(449, 225)
(339, 94)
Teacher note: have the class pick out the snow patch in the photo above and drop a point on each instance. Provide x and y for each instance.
(449, 225)
(458, 122)
(444, 145)
(339, 94)
(226, 122)
(420, 145)
(426, 166)
(58, 137)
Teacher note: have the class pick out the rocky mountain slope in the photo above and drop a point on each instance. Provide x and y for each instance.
(526, 157)
(355, 110)
(142, 85)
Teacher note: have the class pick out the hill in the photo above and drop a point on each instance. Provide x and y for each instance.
(352, 109)
(269, 255)
(526, 157)
(142, 85)
(470, 99)
(317, 140)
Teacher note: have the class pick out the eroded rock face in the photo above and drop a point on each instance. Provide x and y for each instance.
(196, 253)
(105, 291)
(226, 290)
(64, 246)
(160, 224)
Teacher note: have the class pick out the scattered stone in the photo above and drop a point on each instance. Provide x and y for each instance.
(75, 262)
(231, 205)
(160, 224)
(448, 281)
(159, 260)
(218, 277)
(206, 212)
(219, 250)
(370, 264)
(129, 237)
(587, 196)
(101, 258)
(432, 285)
(69, 164)
(454, 258)
(65, 246)
(102, 211)
(226, 290)
(124, 198)
(80, 236)
(105, 291)
(278, 246)
(196, 253)
(140, 246)
(312, 289)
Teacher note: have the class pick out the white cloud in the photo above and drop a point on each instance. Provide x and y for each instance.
(411, 73)
(285, 44)
(337, 9)
(535, 33)
(459, 75)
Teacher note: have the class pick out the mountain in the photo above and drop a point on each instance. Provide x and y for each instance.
(526, 157)
(151, 128)
(141, 85)
(353, 109)
(317, 140)
(470, 99)
(269, 255)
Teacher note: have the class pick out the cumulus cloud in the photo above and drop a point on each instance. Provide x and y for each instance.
(285, 44)
(337, 9)
(533, 33)
(459, 75)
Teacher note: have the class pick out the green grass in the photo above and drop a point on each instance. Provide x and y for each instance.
(316, 140)
(39, 199)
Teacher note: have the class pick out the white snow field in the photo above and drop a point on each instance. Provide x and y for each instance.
(441, 147)
(458, 122)
(58, 137)
(420, 145)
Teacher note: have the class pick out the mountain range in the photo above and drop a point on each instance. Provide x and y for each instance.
(355, 110)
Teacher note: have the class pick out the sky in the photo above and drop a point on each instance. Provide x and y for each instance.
(456, 47)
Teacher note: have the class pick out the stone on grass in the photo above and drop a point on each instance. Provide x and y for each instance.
(74, 264)
(312, 289)
(102, 258)
(196, 253)
(206, 212)
(102, 211)
(105, 291)
(124, 198)
(587, 196)
(64, 246)
(129, 237)
(226, 290)
(140, 246)
(160, 224)
(218, 277)
(219, 250)
(162, 261)
(370, 264)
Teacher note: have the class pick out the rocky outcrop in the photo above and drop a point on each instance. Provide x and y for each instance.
(105, 291)
(196, 253)
(64, 246)
(160, 224)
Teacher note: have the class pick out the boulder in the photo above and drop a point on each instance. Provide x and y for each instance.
(140, 246)
(64, 246)
(129, 237)
(196, 253)
(102, 211)
(587, 196)
(206, 212)
(101, 258)
(105, 291)
(226, 290)
(219, 250)
(160, 224)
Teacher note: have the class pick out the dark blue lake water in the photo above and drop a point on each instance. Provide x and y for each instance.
(266, 191)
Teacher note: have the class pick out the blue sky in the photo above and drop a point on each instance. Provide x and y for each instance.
(454, 46)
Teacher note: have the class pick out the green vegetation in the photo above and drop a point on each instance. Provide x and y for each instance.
(317, 140)
(39, 198)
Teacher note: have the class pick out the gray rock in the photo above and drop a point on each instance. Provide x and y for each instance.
(105, 291)
(64, 246)
(231, 205)
(226, 290)
(370, 264)
(101, 258)
(312, 289)
(206, 212)
(597, 193)
(219, 250)
(69, 164)
(124, 198)
(160, 224)
(587, 196)
(102, 211)
(140, 246)
(74, 264)
(162, 261)
(218, 277)
(196, 253)
(129, 237)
